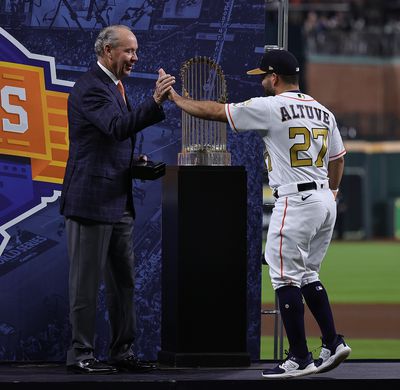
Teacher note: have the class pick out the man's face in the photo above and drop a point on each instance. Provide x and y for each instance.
(268, 84)
(121, 59)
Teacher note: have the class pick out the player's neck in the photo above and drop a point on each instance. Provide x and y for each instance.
(287, 88)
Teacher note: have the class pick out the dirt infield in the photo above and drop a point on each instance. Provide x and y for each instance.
(361, 321)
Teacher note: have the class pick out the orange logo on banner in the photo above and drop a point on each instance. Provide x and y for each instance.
(33, 121)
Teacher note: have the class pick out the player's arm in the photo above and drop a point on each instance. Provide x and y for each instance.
(205, 109)
(335, 173)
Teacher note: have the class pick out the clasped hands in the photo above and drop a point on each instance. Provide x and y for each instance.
(163, 86)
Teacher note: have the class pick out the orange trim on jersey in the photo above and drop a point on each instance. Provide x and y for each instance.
(336, 156)
(230, 117)
(280, 233)
(301, 100)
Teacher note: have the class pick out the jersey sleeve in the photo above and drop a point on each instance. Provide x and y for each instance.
(252, 114)
(337, 148)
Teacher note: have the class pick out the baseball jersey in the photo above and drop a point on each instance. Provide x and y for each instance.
(300, 135)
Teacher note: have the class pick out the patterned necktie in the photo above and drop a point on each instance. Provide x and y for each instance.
(121, 89)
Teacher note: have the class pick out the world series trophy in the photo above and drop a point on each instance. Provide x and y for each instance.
(204, 183)
(203, 141)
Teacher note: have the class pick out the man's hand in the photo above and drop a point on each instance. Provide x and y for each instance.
(163, 85)
(143, 158)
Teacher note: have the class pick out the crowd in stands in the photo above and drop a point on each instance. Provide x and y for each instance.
(347, 27)
(355, 27)
(358, 27)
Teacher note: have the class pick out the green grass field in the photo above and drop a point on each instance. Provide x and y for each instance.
(361, 349)
(354, 272)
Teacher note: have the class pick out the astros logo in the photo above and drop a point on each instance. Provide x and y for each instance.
(33, 133)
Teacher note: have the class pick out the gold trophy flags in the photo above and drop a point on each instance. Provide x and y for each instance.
(203, 141)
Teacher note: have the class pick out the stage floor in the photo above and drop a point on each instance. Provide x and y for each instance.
(21, 375)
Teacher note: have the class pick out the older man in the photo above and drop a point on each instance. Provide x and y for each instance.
(97, 199)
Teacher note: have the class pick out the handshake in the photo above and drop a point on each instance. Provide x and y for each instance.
(163, 89)
(204, 109)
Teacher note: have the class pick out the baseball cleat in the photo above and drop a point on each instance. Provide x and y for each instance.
(332, 355)
(292, 367)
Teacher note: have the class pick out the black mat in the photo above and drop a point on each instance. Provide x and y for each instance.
(55, 376)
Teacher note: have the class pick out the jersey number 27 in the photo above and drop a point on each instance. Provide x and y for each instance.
(316, 133)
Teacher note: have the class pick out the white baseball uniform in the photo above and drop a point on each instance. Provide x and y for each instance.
(301, 137)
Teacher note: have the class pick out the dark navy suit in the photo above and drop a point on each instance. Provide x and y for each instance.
(102, 133)
(98, 205)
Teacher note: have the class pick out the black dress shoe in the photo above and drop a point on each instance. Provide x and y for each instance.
(91, 366)
(133, 364)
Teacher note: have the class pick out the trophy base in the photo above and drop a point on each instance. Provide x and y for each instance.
(204, 158)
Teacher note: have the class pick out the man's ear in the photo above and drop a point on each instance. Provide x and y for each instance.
(107, 50)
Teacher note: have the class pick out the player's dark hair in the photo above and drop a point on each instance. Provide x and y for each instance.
(290, 79)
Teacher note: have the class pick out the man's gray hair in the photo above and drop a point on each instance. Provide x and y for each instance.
(108, 36)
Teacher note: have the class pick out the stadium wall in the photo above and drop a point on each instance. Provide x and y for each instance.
(363, 93)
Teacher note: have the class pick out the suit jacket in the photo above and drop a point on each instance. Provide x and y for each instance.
(102, 128)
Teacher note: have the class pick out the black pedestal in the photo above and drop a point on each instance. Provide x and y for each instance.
(204, 267)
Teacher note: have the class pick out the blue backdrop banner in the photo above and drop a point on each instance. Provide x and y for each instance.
(44, 48)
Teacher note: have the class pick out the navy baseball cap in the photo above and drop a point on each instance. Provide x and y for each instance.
(277, 61)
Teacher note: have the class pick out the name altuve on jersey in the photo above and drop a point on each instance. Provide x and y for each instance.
(304, 111)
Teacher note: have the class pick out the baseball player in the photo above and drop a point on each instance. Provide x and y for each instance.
(305, 166)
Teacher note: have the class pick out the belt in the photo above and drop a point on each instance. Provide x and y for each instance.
(312, 185)
(293, 188)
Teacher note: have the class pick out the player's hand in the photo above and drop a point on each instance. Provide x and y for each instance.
(163, 85)
(335, 192)
(172, 94)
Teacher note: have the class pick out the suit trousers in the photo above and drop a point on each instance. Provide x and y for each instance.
(99, 250)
